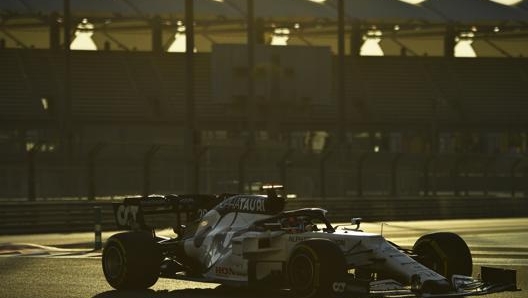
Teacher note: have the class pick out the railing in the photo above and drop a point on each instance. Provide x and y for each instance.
(110, 169)
(52, 216)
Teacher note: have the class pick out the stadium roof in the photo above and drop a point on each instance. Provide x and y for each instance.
(286, 10)
(387, 11)
(205, 9)
(523, 5)
(292, 10)
(499, 30)
(476, 11)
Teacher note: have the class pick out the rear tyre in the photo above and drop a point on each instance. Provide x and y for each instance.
(316, 267)
(131, 260)
(444, 252)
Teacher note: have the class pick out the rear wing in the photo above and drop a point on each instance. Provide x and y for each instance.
(162, 211)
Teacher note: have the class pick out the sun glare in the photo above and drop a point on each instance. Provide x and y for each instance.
(45, 103)
(504, 2)
(83, 37)
(280, 37)
(463, 47)
(507, 2)
(180, 41)
(371, 46)
(413, 1)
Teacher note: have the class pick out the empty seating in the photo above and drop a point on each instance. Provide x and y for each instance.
(16, 98)
(143, 86)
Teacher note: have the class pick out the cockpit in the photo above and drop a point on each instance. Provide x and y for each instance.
(296, 221)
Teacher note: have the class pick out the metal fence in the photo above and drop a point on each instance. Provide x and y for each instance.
(113, 171)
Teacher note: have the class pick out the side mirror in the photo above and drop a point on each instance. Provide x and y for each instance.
(356, 221)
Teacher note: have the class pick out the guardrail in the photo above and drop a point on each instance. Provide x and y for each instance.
(418, 208)
(24, 217)
(53, 216)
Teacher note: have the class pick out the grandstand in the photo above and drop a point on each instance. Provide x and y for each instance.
(443, 111)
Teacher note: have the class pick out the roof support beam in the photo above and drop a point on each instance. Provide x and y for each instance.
(496, 47)
(14, 38)
(449, 41)
(251, 105)
(341, 96)
(54, 32)
(156, 34)
(66, 125)
(356, 39)
(190, 134)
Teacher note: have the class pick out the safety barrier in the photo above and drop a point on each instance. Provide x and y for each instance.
(24, 217)
(53, 216)
(418, 208)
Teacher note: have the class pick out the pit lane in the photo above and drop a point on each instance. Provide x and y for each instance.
(64, 265)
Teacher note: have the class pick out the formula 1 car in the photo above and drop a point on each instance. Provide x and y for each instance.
(249, 240)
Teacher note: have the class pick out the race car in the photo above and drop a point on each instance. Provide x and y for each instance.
(250, 240)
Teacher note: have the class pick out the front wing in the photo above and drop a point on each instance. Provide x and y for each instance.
(492, 280)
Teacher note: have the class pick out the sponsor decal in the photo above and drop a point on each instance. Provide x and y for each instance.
(247, 204)
(220, 270)
(338, 287)
(126, 213)
(224, 270)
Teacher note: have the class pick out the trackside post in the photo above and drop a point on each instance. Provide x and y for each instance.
(98, 244)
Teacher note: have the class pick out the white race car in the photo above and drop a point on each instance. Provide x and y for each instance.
(249, 240)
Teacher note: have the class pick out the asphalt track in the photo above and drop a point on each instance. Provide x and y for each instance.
(65, 265)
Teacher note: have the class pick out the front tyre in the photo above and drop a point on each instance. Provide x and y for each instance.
(444, 252)
(131, 260)
(316, 267)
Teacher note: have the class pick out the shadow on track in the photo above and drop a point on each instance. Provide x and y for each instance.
(218, 292)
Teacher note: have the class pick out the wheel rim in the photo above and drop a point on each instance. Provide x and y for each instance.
(113, 262)
(301, 272)
(437, 266)
(432, 260)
